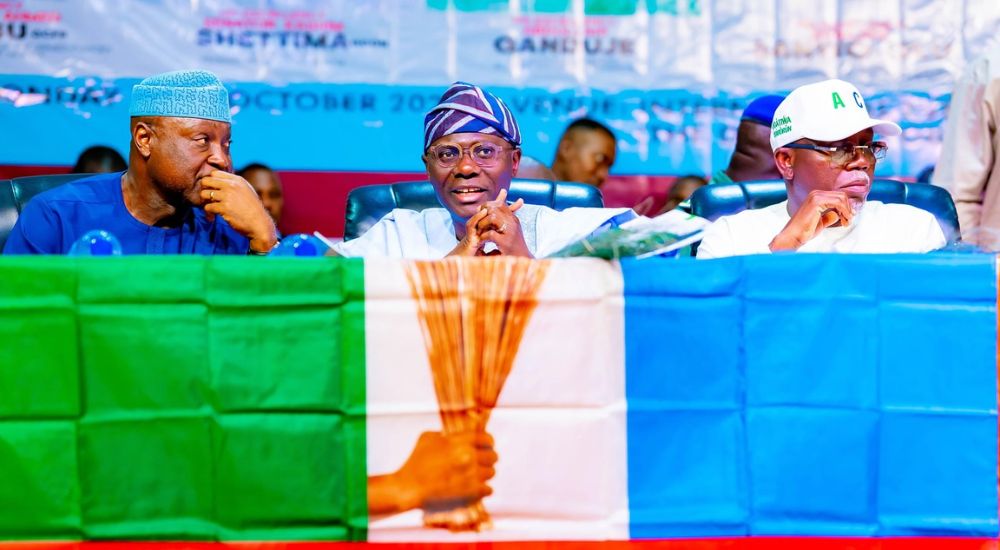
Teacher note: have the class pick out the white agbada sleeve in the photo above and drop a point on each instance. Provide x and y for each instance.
(376, 242)
(425, 235)
(929, 236)
(721, 239)
(717, 242)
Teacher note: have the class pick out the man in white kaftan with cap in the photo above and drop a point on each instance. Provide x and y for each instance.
(471, 153)
(825, 149)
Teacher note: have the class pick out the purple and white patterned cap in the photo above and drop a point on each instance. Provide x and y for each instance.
(465, 108)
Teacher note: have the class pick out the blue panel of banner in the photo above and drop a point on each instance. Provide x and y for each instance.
(820, 395)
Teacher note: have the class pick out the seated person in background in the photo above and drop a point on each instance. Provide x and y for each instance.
(681, 190)
(823, 142)
(926, 175)
(586, 152)
(268, 187)
(533, 169)
(99, 160)
(752, 157)
(178, 195)
(471, 152)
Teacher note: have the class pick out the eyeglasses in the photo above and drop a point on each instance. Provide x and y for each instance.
(844, 153)
(483, 154)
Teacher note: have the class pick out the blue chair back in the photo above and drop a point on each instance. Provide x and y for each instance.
(15, 193)
(366, 205)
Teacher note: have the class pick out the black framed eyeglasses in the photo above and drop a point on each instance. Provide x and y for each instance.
(483, 154)
(844, 153)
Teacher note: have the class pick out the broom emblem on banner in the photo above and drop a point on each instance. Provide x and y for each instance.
(473, 312)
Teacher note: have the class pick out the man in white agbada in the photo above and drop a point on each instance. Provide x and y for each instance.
(471, 153)
(824, 148)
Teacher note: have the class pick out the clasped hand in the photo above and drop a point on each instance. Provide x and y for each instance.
(443, 472)
(821, 209)
(232, 197)
(494, 222)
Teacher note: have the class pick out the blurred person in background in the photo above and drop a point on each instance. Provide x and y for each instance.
(99, 159)
(586, 153)
(533, 169)
(969, 166)
(752, 156)
(681, 190)
(926, 175)
(268, 187)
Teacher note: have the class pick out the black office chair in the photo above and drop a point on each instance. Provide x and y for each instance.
(16, 193)
(713, 201)
(366, 205)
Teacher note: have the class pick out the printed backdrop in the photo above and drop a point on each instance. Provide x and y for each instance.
(342, 86)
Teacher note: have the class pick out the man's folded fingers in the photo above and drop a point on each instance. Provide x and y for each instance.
(846, 211)
(212, 195)
(490, 221)
(213, 182)
(490, 235)
(829, 217)
(223, 180)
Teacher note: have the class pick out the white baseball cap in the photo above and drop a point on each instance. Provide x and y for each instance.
(825, 111)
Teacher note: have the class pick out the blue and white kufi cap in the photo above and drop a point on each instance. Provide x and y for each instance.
(465, 108)
(184, 94)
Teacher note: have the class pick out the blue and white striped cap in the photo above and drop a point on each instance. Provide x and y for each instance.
(465, 108)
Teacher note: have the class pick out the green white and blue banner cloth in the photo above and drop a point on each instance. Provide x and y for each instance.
(808, 397)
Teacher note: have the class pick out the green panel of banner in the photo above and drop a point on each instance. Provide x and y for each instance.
(182, 398)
